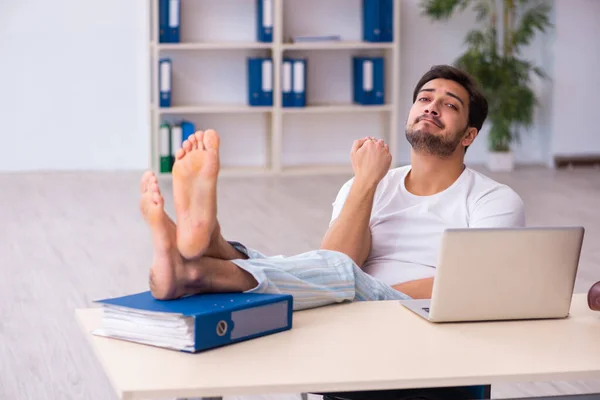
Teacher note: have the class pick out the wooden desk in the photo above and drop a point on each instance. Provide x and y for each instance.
(359, 346)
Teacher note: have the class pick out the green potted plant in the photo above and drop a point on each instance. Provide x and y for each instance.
(497, 63)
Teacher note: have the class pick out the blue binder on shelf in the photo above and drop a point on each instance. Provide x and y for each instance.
(187, 129)
(195, 323)
(260, 81)
(387, 20)
(163, 21)
(169, 21)
(299, 82)
(368, 80)
(264, 20)
(287, 96)
(165, 81)
(378, 20)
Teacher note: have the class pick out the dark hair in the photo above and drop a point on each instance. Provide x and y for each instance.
(478, 105)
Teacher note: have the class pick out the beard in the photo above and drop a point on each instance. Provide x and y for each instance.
(429, 143)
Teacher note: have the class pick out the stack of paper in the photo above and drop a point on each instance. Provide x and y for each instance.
(318, 38)
(197, 322)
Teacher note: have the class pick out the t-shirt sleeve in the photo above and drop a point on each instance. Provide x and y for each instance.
(501, 207)
(340, 200)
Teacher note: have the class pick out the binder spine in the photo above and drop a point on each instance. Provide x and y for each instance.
(165, 148)
(227, 327)
(378, 81)
(368, 80)
(260, 82)
(387, 20)
(165, 81)
(163, 21)
(299, 82)
(187, 129)
(267, 82)
(174, 30)
(176, 141)
(264, 21)
(371, 20)
(287, 99)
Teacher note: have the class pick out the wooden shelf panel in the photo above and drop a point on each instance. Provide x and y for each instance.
(335, 45)
(336, 108)
(217, 109)
(213, 46)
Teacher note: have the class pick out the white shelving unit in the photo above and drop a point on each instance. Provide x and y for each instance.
(209, 84)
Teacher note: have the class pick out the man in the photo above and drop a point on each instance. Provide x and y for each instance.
(386, 226)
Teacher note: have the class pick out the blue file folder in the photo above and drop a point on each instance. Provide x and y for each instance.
(165, 81)
(299, 82)
(260, 81)
(287, 96)
(169, 21)
(195, 323)
(264, 20)
(368, 80)
(371, 21)
(187, 129)
(163, 21)
(387, 20)
(378, 20)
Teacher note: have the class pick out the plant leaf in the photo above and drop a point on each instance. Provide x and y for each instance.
(534, 18)
(482, 8)
(442, 9)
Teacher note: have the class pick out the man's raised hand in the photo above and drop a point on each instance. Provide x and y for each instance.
(371, 160)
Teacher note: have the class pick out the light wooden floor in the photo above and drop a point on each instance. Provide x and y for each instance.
(67, 239)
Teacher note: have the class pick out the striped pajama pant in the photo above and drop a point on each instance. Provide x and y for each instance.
(315, 278)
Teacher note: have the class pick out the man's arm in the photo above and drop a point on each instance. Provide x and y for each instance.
(350, 233)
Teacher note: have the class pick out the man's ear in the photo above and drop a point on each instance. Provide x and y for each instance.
(470, 136)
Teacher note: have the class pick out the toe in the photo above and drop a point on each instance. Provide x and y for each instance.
(200, 139)
(211, 139)
(144, 182)
(187, 146)
(179, 154)
(192, 139)
(157, 198)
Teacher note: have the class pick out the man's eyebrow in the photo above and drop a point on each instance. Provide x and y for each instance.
(448, 93)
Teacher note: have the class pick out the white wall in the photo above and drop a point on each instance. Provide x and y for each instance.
(576, 78)
(74, 82)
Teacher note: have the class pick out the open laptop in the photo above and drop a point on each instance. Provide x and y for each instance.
(486, 274)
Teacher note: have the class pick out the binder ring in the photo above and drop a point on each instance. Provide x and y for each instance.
(222, 328)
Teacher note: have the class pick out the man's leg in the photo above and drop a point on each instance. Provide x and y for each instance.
(314, 279)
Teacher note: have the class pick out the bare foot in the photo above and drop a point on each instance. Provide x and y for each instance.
(169, 279)
(195, 192)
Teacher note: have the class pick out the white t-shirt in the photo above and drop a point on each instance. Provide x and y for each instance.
(406, 229)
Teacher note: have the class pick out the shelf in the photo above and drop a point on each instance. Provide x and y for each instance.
(334, 45)
(333, 108)
(220, 109)
(209, 78)
(212, 46)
